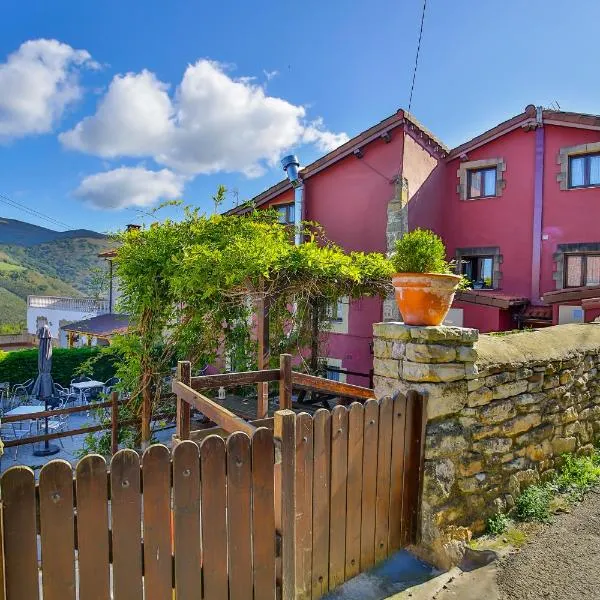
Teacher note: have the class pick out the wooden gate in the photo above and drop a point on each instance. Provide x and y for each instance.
(351, 481)
(290, 509)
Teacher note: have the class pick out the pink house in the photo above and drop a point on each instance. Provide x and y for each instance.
(517, 206)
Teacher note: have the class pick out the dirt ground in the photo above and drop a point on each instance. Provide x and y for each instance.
(562, 562)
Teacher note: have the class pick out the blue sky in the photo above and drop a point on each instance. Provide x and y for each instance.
(218, 91)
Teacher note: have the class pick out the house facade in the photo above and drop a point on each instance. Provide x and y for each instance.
(517, 206)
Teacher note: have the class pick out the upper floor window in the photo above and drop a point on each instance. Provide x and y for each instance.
(582, 270)
(481, 183)
(479, 270)
(584, 170)
(481, 178)
(286, 213)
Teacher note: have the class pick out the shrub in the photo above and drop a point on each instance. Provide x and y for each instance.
(497, 524)
(420, 251)
(534, 504)
(18, 366)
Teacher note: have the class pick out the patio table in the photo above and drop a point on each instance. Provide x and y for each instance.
(83, 386)
(25, 409)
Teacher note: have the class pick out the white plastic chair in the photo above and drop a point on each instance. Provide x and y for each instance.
(56, 424)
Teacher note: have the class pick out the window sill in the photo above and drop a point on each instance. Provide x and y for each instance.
(582, 187)
(480, 198)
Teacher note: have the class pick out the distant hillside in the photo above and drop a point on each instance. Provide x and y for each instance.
(40, 261)
(27, 234)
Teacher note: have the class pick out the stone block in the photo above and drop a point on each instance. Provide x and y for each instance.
(564, 445)
(485, 431)
(443, 399)
(493, 446)
(382, 348)
(521, 424)
(475, 384)
(446, 372)
(444, 446)
(506, 390)
(386, 367)
(497, 411)
(566, 377)
(443, 333)
(468, 465)
(499, 378)
(391, 331)
(466, 354)
(479, 397)
(568, 416)
(536, 381)
(543, 432)
(387, 386)
(550, 381)
(572, 429)
(398, 349)
(430, 353)
(473, 484)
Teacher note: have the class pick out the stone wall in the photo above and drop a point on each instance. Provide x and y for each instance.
(501, 411)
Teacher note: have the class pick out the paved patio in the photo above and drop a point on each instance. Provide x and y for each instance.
(70, 448)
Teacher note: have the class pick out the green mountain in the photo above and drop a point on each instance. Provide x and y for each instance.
(39, 261)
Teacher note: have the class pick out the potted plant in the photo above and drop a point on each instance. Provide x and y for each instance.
(424, 283)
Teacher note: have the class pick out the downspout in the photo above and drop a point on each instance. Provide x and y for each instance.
(291, 166)
(538, 208)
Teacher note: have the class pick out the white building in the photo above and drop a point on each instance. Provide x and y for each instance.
(56, 311)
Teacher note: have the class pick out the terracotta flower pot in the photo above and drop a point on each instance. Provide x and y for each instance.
(424, 298)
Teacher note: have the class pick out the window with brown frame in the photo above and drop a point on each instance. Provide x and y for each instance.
(584, 170)
(481, 183)
(582, 269)
(286, 213)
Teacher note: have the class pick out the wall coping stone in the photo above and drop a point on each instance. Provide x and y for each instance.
(543, 345)
(400, 331)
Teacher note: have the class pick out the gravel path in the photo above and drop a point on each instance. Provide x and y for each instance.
(560, 563)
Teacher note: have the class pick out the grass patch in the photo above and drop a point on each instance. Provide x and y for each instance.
(576, 476)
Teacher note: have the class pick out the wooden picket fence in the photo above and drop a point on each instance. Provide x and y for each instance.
(290, 509)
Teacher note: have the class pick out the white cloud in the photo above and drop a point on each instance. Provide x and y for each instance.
(270, 74)
(212, 122)
(38, 82)
(129, 186)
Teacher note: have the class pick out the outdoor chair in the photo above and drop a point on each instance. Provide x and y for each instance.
(66, 395)
(109, 384)
(22, 391)
(16, 431)
(84, 395)
(56, 424)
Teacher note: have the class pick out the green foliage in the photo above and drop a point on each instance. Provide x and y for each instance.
(497, 524)
(421, 251)
(18, 366)
(69, 261)
(578, 474)
(190, 288)
(534, 504)
(13, 312)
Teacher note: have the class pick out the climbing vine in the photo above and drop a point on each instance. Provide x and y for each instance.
(191, 287)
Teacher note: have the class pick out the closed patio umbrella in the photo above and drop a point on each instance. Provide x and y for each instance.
(43, 387)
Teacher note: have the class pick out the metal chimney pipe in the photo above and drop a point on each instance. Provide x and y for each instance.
(291, 166)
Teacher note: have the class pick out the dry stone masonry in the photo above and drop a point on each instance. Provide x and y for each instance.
(501, 412)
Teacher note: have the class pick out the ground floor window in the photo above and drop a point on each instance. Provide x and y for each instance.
(479, 270)
(581, 270)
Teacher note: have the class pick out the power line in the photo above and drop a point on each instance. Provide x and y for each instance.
(4, 199)
(412, 87)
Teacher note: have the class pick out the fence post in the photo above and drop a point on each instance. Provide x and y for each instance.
(184, 374)
(262, 332)
(114, 422)
(2, 564)
(285, 381)
(285, 432)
